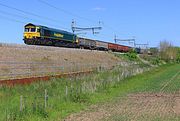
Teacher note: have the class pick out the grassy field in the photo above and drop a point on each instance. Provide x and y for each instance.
(67, 96)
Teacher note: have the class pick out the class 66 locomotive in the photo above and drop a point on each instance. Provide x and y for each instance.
(42, 35)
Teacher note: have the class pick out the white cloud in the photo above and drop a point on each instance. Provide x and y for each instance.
(98, 9)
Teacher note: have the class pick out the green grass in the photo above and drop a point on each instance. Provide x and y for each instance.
(99, 87)
(150, 81)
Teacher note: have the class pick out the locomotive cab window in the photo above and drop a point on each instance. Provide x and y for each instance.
(33, 30)
(26, 30)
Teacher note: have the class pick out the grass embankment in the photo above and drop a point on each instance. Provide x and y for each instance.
(43, 60)
(66, 96)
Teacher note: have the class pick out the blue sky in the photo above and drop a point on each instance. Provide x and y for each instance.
(147, 20)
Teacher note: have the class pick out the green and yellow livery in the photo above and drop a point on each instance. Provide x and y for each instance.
(41, 35)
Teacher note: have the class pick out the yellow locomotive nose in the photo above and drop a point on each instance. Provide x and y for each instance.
(30, 35)
(31, 31)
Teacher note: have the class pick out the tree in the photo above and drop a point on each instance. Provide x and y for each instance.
(178, 55)
(167, 51)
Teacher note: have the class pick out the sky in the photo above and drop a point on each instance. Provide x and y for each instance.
(148, 21)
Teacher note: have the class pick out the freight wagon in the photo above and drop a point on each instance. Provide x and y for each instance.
(100, 45)
(86, 43)
(112, 47)
(122, 48)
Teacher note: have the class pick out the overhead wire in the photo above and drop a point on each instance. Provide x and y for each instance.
(30, 13)
(13, 20)
(27, 18)
(12, 14)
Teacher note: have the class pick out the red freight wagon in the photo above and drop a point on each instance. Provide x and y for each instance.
(113, 47)
(122, 48)
(125, 49)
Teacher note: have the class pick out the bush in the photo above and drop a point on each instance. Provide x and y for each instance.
(156, 61)
(132, 55)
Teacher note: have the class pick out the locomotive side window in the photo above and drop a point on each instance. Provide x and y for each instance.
(47, 33)
(38, 30)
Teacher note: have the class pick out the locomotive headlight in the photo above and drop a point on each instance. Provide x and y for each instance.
(77, 40)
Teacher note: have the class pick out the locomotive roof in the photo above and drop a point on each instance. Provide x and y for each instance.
(51, 29)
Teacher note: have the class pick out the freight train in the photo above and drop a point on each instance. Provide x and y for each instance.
(41, 35)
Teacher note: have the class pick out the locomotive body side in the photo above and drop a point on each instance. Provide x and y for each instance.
(41, 35)
(57, 35)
